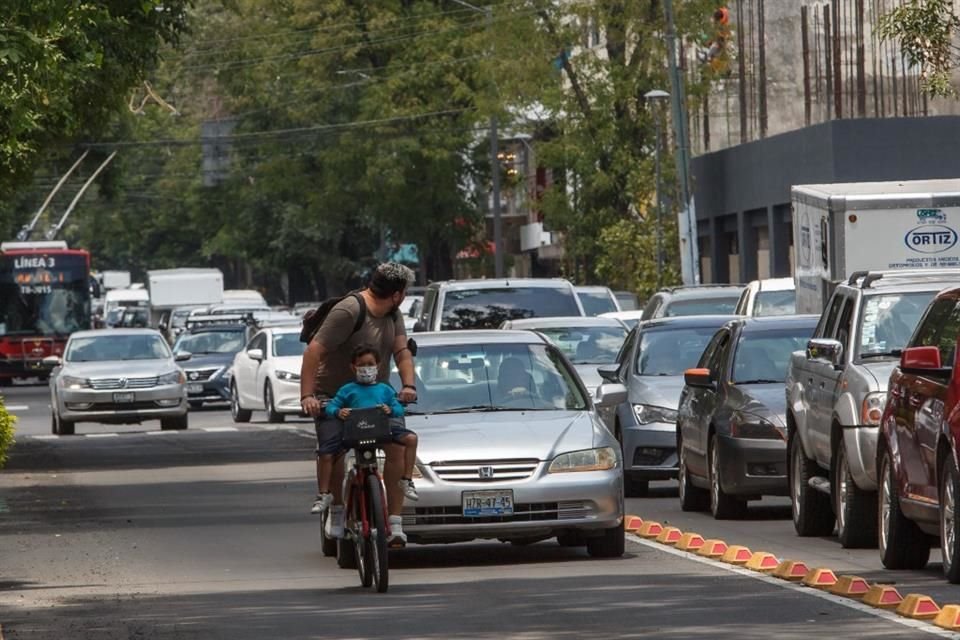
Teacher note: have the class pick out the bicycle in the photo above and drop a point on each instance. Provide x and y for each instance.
(366, 525)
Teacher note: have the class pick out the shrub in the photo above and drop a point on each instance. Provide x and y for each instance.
(7, 421)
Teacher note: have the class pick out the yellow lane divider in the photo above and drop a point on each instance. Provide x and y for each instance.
(851, 587)
(670, 535)
(713, 549)
(949, 617)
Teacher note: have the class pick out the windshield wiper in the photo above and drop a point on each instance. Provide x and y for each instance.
(881, 354)
(477, 408)
(759, 381)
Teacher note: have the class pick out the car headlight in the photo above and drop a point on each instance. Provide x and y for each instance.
(743, 425)
(647, 413)
(288, 376)
(872, 410)
(601, 459)
(174, 377)
(69, 382)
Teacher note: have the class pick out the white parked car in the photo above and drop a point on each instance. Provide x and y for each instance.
(770, 297)
(266, 375)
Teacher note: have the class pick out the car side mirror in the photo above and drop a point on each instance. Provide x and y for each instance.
(922, 361)
(699, 378)
(826, 351)
(255, 354)
(609, 372)
(51, 361)
(611, 394)
(182, 356)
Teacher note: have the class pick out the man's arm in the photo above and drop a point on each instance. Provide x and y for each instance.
(313, 355)
(408, 376)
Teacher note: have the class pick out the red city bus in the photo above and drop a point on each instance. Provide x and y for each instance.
(44, 297)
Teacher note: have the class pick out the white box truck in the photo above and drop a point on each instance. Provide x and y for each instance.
(115, 279)
(839, 229)
(177, 288)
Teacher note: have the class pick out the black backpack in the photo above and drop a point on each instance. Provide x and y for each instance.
(313, 320)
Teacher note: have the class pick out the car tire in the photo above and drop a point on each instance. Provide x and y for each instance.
(272, 415)
(571, 539)
(610, 544)
(949, 524)
(196, 404)
(723, 506)
(635, 487)
(176, 423)
(239, 413)
(63, 427)
(855, 508)
(902, 544)
(812, 513)
(346, 555)
(692, 498)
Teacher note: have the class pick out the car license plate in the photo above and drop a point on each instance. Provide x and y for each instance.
(195, 388)
(123, 397)
(484, 504)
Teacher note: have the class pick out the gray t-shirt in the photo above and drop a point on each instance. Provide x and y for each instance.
(337, 337)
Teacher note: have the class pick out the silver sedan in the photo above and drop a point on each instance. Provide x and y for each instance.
(119, 376)
(511, 447)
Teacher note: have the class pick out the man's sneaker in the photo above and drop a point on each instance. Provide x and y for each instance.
(409, 491)
(333, 528)
(398, 538)
(323, 502)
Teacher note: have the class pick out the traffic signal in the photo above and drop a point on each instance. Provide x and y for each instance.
(715, 52)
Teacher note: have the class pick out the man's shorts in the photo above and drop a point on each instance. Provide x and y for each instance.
(330, 433)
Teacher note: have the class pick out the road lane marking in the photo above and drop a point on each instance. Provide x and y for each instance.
(45, 437)
(219, 429)
(101, 435)
(18, 407)
(783, 584)
(159, 433)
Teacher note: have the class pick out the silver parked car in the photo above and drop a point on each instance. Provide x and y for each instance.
(587, 342)
(119, 376)
(649, 372)
(510, 446)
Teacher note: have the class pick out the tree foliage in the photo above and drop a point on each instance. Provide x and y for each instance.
(7, 423)
(926, 30)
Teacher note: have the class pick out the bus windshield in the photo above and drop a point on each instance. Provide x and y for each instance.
(44, 293)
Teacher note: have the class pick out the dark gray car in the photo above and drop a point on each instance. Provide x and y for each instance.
(693, 300)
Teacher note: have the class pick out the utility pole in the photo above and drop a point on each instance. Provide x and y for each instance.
(656, 96)
(24, 234)
(689, 252)
(52, 233)
(494, 159)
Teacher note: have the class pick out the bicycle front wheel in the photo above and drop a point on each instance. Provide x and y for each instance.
(377, 542)
(360, 544)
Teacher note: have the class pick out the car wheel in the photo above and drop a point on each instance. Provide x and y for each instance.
(902, 544)
(855, 508)
(239, 413)
(346, 554)
(196, 404)
(571, 539)
(812, 514)
(272, 414)
(723, 506)
(175, 423)
(949, 538)
(611, 544)
(692, 498)
(62, 427)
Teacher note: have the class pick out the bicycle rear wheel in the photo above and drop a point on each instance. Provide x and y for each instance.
(377, 542)
(360, 546)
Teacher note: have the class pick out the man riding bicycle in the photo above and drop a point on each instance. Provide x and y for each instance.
(327, 367)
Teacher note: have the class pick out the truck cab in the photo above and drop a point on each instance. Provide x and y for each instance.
(836, 391)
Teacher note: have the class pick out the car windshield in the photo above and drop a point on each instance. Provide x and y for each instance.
(628, 301)
(669, 351)
(763, 357)
(596, 302)
(587, 345)
(113, 346)
(888, 320)
(490, 308)
(218, 341)
(714, 305)
(287, 344)
(493, 377)
(775, 303)
(179, 318)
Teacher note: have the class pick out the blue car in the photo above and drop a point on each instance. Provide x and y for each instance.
(212, 347)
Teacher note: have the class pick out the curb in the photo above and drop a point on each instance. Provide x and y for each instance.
(915, 606)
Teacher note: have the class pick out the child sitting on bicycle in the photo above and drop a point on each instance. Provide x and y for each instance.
(367, 393)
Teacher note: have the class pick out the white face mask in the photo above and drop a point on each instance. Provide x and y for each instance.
(366, 375)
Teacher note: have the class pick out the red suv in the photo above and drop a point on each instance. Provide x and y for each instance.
(920, 444)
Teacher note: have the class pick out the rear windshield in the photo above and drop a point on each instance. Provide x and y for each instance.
(490, 308)
(671, 351)
(596, 302)
(775, 303)
(714, 305)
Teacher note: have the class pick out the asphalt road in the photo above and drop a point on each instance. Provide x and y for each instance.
(205, 534)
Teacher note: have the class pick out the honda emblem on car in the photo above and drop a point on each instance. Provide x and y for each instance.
(486, 472)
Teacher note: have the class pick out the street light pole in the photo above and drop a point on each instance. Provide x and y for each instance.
(655, 96)
(494, 159)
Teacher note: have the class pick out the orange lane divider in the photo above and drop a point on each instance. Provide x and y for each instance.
(670, 536)
(918, 607)
(737, 554)
(819, 578)
(850, 586)
(883, 596)
(949, 617)
(632, 524)
(690, 542)
(713, 549)
(792, 570)
(650, 529)
(763, 562)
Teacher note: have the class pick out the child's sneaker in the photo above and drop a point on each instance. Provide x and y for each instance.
(323, 502)
(334, 524)
(397, 539)
(409, 491)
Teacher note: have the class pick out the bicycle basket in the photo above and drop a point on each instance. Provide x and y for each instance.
(366, 427)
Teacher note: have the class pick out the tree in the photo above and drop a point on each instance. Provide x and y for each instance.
(925, 30)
